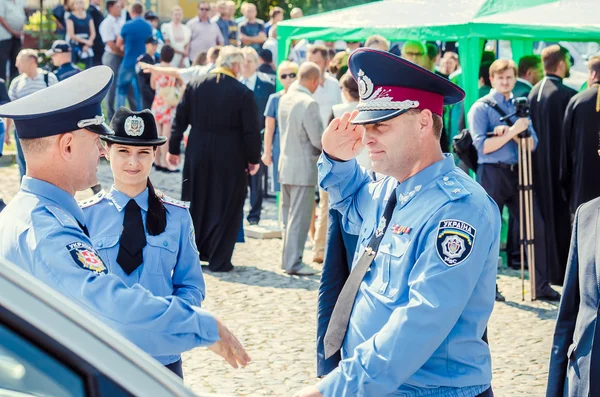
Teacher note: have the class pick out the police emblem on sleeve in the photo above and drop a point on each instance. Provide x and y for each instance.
(454, 241)
(86, 257)
(134, 126)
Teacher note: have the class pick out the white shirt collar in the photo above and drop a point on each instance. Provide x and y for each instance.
(250, 82)
(527, 83)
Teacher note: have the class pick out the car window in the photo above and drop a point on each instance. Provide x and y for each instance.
(27, 369)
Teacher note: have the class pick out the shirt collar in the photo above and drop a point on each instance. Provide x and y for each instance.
(250, 80)
(55, 194)
(499, 98)
(413, 185)
(120, 200)
(527, 83)
(299, 87)
(553, 77)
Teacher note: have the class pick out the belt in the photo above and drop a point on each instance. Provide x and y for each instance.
(511, 167)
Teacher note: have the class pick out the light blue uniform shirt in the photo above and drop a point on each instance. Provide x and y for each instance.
(39, 232)
(424, 304)
(171, 262)
(483, 119)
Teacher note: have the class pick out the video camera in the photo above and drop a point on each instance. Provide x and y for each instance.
(522, 105)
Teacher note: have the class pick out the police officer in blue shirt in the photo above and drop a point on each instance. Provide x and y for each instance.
(60, 53)
(43, 230)
(411, 317)
(498, 158)
(142, 235)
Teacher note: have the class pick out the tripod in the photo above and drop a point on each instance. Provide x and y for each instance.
(526, 231)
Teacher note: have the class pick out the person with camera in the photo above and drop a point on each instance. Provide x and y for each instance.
(497, 148)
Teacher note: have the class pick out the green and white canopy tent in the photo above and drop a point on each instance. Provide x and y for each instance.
(469, 22)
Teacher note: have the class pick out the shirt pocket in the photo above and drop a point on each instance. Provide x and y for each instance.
(390, 255)
(160, 256)
(104, 244)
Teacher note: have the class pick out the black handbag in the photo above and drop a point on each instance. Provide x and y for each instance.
(462, 143)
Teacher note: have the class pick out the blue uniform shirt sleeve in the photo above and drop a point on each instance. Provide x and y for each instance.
(347, 185)
(188, 281)
(160, 326)
(271, 108)
(478, 125)
(437, 296)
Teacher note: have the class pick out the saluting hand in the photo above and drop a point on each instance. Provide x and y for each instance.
(343, 140)
(229, 347)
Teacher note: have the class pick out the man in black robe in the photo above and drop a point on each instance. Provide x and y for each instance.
(549, 99)
(580, 161)
(223, 145)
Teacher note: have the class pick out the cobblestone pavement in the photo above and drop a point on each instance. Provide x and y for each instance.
(273, 314)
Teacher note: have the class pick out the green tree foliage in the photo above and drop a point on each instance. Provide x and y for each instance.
(309, 7)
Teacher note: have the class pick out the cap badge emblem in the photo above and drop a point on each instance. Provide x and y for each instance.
(365, 85)
(134, 126)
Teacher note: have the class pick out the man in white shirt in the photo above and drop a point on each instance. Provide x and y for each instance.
(327, 95)
(12, 20)
(110, 29)
(205, 34)
(31, 79)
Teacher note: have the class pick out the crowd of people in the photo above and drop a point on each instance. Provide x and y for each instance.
(209, 85)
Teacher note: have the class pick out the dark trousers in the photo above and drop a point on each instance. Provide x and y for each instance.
(176, 368)
(9, 49)
(502, 184)
(339, 252)
(487, 393)
(256, 193)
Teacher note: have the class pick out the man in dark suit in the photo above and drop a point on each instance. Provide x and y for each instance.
(221, 150)
(575, 356)
(95, 11)
(262, 86)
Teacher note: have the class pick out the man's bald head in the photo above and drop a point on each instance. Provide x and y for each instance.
(415, 52)
(309, 76)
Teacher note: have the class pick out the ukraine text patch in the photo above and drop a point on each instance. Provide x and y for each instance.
(86, 257)
(454, 241)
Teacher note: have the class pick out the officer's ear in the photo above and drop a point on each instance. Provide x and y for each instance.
(65, 144)
(426, 120)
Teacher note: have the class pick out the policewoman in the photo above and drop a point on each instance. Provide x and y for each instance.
(143, 236)
(43, 230)
(411, 317)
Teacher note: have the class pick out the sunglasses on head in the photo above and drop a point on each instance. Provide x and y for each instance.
(285, 76)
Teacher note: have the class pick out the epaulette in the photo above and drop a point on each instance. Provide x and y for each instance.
(65, 219)
(453, 188)
(169, 200)
(95, 199)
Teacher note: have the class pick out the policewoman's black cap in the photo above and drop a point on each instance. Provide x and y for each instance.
(390, 86)
(70, 105)
(58, 47)
(134, 129)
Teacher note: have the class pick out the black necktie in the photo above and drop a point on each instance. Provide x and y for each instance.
(84, 229)
(133, 238)
(338, 324)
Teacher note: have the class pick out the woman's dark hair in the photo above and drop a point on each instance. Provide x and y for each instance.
(348, 82)
(156, 220)
(167, 53)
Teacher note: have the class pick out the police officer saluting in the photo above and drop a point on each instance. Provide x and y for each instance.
(43, 229)
(412, 315)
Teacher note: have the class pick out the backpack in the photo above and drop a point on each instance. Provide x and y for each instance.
(462, 143)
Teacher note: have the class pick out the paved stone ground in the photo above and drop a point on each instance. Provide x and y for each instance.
(273, 314)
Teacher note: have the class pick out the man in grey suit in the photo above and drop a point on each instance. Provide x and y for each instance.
(575, 357)
(301, 128)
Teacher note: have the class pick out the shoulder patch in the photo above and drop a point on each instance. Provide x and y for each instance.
(168, 200)
(86, 257)
(454, 241)
(62, 216)
(95, 199)
(453, 188)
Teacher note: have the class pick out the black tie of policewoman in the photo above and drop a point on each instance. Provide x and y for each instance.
(338, 324)
(133, 238)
